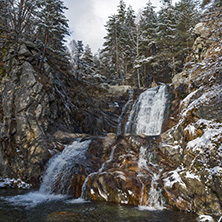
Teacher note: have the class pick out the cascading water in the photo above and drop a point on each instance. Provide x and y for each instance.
(63, 167)
(155, 199)
(146, 117)
(119, 127)
(58, 176)
(147, 113)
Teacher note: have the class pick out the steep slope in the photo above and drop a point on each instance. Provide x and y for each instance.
(39, 105)
(192, 147)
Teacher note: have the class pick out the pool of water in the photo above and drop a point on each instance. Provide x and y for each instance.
(16, 206)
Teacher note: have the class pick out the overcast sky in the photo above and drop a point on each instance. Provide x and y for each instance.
(88, 17)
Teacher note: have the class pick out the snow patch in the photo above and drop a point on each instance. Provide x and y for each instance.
(14, 183)
(174, 177)
(217, 170)
(205, 218)
(191, 129)
(212, 133)
(192, 175)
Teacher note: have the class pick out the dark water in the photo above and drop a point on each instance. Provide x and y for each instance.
(58, 209)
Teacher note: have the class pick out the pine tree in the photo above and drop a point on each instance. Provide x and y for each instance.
(52, 26)
(87, 60)
(166, 35)
(186, 17)
(129, 45)
(146, 45)
(80, 65)
(114, 47)
(111, 48)
(121, 40)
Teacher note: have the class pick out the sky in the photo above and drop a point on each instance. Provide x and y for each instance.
(88, 17)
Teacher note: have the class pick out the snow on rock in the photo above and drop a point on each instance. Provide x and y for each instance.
(13, 183)
(173, 177)
(191, 148)
(205, 218)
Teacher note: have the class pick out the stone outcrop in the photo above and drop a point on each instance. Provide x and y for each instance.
(192, 147)
(114, 170)
(35, 103)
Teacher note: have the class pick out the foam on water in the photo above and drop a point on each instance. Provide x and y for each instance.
(77, 201)
(57, 176)
(33, 198)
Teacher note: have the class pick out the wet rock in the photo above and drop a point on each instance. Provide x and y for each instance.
(191, 149)
(118, 186)
(120, 178)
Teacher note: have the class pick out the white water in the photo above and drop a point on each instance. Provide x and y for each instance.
(60, 169)
(147, 114)
(146, 117)
(119, 127)
(155, 201)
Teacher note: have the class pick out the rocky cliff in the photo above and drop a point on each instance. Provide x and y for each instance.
(37, 103)
(192, 147)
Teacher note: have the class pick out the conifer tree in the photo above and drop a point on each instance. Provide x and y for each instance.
(129, 44)
(166, 35)
(186, 17)
(80, 65)
(146, 44)
(52, 26)
(115, 43)
(111, 48)
(87, 60)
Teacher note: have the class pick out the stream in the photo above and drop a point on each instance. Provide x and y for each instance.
(14, 208)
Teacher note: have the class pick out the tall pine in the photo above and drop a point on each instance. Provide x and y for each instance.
(186, 17)
(52, 27)
(166, 36)
(146, 45)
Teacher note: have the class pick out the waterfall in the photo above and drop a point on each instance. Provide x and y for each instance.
(124, 110)
(147, 112)
(57, 178)
(155, 199)
(62, 167)
(145, 117)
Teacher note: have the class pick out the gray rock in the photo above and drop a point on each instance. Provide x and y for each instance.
(24, 51)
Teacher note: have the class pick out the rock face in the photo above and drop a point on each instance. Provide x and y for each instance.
(192, 147)
(34, 104)
(118, 169)
(121, 178)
